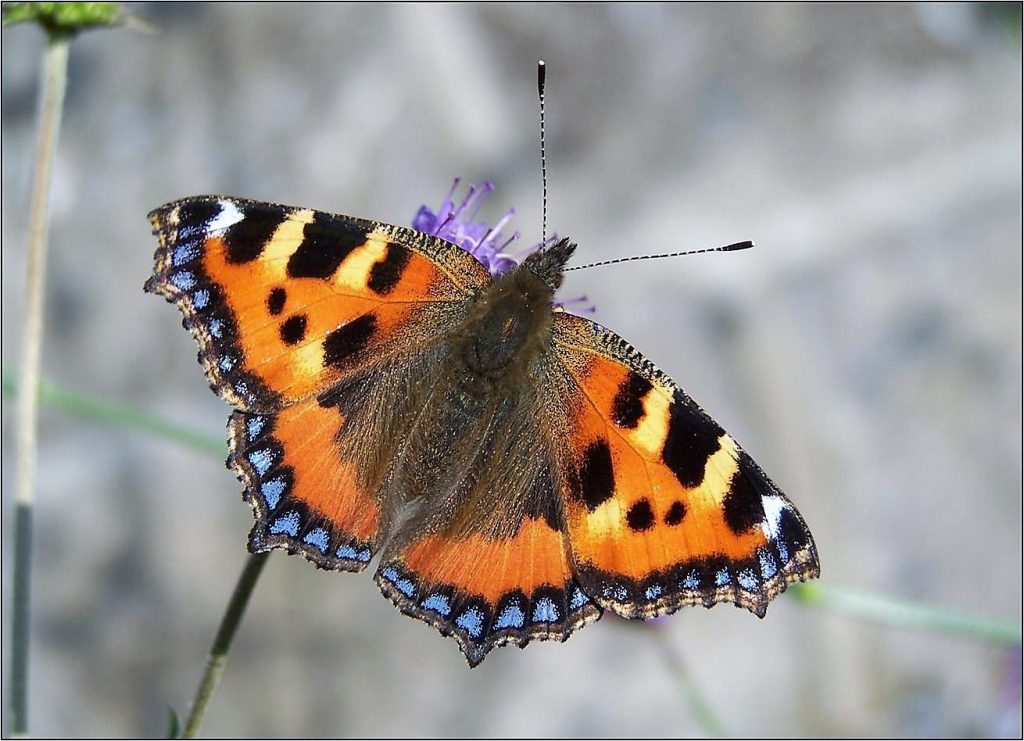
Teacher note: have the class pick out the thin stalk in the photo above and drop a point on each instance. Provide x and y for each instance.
(222, 643)
(55, 72)
(711, 725)
(121, 415)
(902, 614)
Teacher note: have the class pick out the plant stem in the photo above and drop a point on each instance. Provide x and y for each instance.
(710, 724)
(121, 415)
(222, 642)
(55, 71)
(902, 614)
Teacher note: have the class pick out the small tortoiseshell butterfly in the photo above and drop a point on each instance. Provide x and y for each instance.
(519, 468)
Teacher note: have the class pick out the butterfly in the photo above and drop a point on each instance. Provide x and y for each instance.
(517, 469)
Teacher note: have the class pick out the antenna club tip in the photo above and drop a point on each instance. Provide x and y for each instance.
(738, 246)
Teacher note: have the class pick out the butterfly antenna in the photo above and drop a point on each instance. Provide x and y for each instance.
(541, 68)
(727, 248)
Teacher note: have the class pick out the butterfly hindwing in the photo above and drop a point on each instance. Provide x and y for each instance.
(286, 302)
(488, 591)
(306, 498)
(485, 559)
(663, 507)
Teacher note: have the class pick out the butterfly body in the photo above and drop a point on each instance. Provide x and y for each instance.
(507, 329)
(517, 468)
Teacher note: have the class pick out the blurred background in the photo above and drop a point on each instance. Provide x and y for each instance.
(867, 352)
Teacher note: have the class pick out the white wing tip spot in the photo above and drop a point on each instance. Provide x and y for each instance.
(229, 215)
(773, 509)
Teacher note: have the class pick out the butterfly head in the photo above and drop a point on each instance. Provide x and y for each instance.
(548, 264)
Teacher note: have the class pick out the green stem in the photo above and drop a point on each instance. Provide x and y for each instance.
(55, 72)
(900, 614)
(121, 415)
(710, 724)
(222, 642)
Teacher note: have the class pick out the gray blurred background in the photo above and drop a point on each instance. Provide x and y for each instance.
(868, 352)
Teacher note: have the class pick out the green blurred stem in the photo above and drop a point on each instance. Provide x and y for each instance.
(222, 642)
(901, 614)
(55, 73)
(710, 724)
(120, 415)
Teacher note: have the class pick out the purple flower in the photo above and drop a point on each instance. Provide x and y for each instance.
(485, 242)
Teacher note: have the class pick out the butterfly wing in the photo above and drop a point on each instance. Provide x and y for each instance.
(298, 314)
(664, 509)
(485, 559)
(305, 496)
(285, 302)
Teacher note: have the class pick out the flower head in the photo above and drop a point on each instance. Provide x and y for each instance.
(485, 242)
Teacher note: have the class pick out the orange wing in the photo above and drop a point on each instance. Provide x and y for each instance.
(306, 497)
(285, 302)
(300, 316)
(486, 590)
(486, 558)
(663, 508)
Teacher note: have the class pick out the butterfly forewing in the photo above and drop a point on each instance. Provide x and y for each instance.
(663, 507)
(286, 302)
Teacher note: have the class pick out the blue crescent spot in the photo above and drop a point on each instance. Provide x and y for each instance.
(722, 578)
(471, 621)
(185, 251)
(272, 491)
(347, 551)
(783, 551)
(403, 585)
(438, 603)
(406, 587)
(545, 611)
(227, 363)
(612, 591)
(201, 298)
(692, 581)
(653, 592)
(187, 231)
(318, 538)
(511, 617)
(578, 599)
(254, 426)
(184, 280)
(286, 523)
(261, 460)
(747, 580)
(216, 326)
(768, 567)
